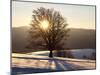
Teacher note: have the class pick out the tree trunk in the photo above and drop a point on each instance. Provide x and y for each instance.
(50, 54)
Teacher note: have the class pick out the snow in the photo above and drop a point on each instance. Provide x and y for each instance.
(34, 63)
(83, 52)
(77, 53)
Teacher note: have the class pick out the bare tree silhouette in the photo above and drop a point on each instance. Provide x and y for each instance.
(49, 25)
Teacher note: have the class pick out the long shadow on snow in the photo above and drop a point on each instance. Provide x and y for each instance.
(60, 65)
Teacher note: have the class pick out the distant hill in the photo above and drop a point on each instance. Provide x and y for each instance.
(78, 38)
(82, 38)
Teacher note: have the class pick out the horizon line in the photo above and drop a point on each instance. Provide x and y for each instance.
(68, 27)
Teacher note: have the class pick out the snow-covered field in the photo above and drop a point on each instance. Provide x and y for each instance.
(37, 62)
(80, 53)
(77, 53)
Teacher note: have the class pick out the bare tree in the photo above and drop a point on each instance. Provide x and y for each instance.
(49, 25)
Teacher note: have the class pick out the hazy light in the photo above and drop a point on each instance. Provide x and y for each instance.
(85, 19)
(44, 24)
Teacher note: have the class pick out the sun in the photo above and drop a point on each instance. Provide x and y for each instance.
(44, 24)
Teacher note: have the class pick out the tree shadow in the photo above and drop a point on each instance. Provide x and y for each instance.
(20, 70)
(59, 65)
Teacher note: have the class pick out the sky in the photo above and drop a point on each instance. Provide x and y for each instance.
(77, 16)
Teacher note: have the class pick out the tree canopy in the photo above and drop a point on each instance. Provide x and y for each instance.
(50, 26)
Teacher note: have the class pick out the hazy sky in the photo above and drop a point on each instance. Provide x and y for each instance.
(77, 16)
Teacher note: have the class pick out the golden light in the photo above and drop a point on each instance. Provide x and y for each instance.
(44, 24)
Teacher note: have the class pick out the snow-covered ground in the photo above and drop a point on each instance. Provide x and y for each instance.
(37, 63)
(80, 53)
(77, 53)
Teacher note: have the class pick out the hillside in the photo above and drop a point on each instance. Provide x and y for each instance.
(79, 38)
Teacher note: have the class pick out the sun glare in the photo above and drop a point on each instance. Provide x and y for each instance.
(44, 24)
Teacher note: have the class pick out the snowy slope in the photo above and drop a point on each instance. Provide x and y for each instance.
(77, 53)
(28, 64)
